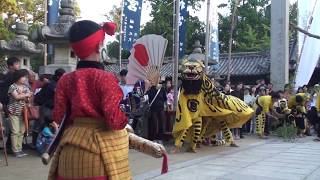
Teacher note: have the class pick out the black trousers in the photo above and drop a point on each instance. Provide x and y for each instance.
(156, 124)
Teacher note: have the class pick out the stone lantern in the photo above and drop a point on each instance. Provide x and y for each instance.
(21, 47)
(57, 34)
(197, 52)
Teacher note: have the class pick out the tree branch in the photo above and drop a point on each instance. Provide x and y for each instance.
(292, 25)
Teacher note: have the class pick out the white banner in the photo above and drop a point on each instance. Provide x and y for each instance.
(308, 47)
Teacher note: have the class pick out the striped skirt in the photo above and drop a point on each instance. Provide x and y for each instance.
(88, 151)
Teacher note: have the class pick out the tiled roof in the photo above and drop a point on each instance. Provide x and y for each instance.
(241, 64)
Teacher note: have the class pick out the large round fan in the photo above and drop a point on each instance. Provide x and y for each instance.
(146, 59)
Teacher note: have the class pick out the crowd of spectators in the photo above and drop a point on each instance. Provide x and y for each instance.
(261, 97)
(21, 88)
(302, 104)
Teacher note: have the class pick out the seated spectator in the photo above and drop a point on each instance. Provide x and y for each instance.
(46, 136)
(299, 117)
(45, 99)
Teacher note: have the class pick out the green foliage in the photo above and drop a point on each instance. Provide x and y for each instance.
(113, 51)
(288, 132)
(162, 24)
(36, 62)
(252, 32)
(195, 31)
(293, 17)
(28, 11)
(5, 33)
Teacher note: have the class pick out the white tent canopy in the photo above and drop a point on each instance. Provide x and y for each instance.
(309, 48)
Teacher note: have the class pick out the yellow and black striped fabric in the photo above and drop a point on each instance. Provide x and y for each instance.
(212, 108)
(88, 150)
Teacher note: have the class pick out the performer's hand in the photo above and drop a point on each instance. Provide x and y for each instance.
(163, 149)
(160, 150)
(129, 129)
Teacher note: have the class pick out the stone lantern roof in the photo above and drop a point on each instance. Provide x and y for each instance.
(57, 33)
(197, 52)
(20, 46)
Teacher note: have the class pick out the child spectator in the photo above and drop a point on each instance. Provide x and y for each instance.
(46, 136)
(170, 99)
(300, 122)
(19, 94)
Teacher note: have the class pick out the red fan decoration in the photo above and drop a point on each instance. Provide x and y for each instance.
(141, 54)
(146, 59)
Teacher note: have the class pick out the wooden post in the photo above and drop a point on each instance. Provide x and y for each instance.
(176, 53)
(233, 23)
(120, 37)
(45, 54)
(207, 37)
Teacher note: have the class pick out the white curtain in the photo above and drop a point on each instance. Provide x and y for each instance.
(311, 46)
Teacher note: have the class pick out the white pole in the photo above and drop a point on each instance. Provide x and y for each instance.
(207, 37)
(120, 36)
(176, 53)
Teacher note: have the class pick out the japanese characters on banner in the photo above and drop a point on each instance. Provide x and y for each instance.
(213, 52)
(131, 22)
(182, 26)
(53, 10)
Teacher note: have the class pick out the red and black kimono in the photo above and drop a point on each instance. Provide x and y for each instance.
(94, 145)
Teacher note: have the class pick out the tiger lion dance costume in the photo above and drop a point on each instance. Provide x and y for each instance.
(203, 111)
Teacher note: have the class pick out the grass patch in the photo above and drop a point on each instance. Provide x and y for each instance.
(288, 132)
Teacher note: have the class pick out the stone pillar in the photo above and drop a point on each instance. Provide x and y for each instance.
(62, 59)
(279, 70)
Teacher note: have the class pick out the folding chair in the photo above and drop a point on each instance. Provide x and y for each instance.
(2, 136)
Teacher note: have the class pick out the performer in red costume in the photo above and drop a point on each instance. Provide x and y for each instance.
(94, 145)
